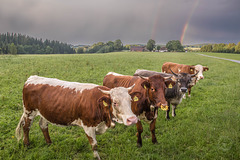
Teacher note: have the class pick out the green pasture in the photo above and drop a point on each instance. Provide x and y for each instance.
(207, 125)
(223, 55)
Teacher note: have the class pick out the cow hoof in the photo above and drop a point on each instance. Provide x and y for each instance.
(49, 143)
(139, 145)
(27, 145)
(155, 142)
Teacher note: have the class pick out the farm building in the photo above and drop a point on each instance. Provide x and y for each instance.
(138, 48)
(163, 49)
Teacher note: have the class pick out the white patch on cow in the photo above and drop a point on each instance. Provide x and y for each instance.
(43, 123)
(173, 110)
(56, 82)
(143, 117)
(115, 74)
(200, 73)
(123, 110)
(100, 128)
(179, 70)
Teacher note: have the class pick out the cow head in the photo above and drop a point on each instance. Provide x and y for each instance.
(199, 68)
(121, 105)
(155, 86)
(184, 80)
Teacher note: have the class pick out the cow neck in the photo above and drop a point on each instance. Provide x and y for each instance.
(101, 117)
(111, 120)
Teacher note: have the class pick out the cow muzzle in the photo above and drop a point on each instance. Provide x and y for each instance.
(132, 120)
(183, 89)
(200, 77)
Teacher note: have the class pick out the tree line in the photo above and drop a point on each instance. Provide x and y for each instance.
(12, 43)
(101, 47)
(222, 48)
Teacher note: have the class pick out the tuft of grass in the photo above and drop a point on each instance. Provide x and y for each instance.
(206, 125)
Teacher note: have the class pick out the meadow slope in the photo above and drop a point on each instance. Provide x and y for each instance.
(206, 125)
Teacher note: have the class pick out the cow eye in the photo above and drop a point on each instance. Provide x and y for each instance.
(115, 104)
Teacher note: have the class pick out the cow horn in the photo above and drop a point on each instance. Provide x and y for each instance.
(145, 78)
(105, 92)
(166, 78)
(131, 87)
(194, 74)
(174, 73)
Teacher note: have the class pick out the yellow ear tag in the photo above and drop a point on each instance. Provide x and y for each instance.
(105, 104)
(164, 108)
(145, 87)
(170, 85)
(191, 69)
(135, 99)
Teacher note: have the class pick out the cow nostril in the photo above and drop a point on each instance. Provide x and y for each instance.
(184, 90)
(132, 120)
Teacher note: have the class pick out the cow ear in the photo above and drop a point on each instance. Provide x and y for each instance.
(136, 96)
(104, 101)
(205, 68)
(169, 83)
(192, 69)
(145, 84)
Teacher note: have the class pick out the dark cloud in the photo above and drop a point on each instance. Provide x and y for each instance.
(135, 21)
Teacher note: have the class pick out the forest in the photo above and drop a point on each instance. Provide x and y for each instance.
(13, 43)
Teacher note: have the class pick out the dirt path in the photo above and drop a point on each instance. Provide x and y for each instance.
(220, 58)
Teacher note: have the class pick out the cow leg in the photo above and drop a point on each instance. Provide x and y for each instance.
(139, 132)
(43, 123)
(91, 135)
(189, 92)
(28, 119)
(167, 112)
(173, 110)
(152, 129)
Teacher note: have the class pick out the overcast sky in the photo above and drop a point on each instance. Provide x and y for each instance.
(131, 21)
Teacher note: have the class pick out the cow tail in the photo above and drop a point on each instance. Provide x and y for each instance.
(18, 132)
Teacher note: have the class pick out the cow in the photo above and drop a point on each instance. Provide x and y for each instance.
(89, 106)
(148, 73)
(176, 87)
(147, 95)
(181, 68)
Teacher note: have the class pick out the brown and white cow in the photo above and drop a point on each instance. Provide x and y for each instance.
(182, 68)
(89, 106)
(176, 87)
(147, 96)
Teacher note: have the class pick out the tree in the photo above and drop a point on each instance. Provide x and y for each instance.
(237, 48)
(219, 48)
(150, 44)
(48, 50)
(20, 49)
(12, 49)
(206, 48)
(80, 50)
(118, 45)
(175, 46)
(230, 48)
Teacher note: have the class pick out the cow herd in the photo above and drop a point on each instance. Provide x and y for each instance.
(123, 99)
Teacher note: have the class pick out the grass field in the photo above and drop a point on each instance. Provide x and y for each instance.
(207, 125)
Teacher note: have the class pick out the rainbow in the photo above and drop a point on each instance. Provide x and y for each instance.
(188, 20)
(156, 21)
